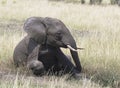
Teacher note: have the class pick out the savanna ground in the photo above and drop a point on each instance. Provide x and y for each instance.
(96, 28)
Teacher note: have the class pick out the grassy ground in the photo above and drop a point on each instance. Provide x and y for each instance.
(96, 28)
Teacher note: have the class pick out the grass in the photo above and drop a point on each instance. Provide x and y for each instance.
(52, 82)
(96, 28)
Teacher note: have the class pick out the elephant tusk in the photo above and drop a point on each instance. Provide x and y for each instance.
(71, 48)
(81, 48)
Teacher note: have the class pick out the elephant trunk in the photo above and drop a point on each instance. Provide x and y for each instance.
(75, 57)
(71, 44)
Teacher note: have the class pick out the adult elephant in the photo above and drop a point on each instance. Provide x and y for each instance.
(40, 49)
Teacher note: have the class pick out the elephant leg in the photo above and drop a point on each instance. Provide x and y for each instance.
(33, 63)
(65, 63)
(19, 58)
(20, 53)
(37, 67)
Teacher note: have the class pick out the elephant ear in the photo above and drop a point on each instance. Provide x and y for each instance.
(47, 22)
(36, 29)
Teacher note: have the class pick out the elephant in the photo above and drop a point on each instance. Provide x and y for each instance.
(40, 49)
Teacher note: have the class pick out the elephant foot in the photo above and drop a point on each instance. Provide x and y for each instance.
(76, 76)
(37, 68)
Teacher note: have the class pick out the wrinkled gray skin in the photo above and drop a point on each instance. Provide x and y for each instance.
(40, 49)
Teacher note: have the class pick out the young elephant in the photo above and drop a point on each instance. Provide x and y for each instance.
(40, 49)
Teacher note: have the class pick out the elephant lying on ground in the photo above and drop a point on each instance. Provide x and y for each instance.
(40, 49)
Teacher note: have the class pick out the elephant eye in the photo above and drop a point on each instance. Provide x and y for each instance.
(58, 36)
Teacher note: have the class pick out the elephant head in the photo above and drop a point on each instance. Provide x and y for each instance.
(51, 31)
